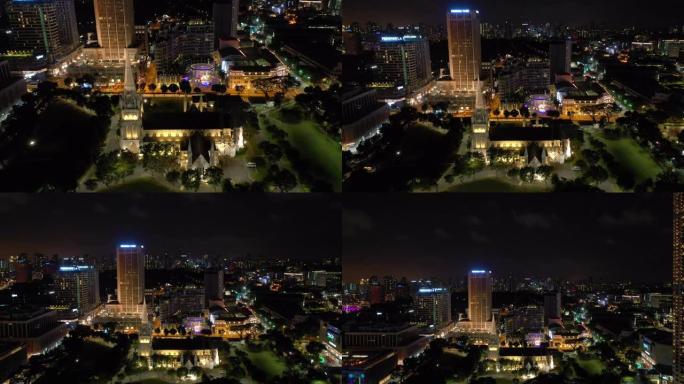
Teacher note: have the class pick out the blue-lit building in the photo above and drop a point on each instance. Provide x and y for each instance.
(77, 288)
(401, 65)
(432, 307)
(373, 368)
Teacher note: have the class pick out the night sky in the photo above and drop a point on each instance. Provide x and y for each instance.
(575, 236)
(298, 226)
(568, 12)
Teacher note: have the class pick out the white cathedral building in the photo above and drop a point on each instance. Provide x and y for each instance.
(202, 132)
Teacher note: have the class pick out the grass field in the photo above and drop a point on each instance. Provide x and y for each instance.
(496, 186)
(633, 157)
(147, 185)
(269, 362)
(593, 367)
(322, 152)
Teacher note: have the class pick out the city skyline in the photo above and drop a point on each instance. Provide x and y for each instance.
(494, 11)
(231, 226)
(605, 238)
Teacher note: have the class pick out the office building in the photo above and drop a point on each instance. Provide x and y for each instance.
(37, 328)
(12, 357)
(77, 288)
(560, 54)
(372, 368)
(552, 306)
(432, 307)
(45, 29)
(362, 115)
(115, 25)
(402, 65)
(522, 78)
(480, 300)
(213, 287)
(678, 286)
(130, 279)
(225, 16)
(465, 56)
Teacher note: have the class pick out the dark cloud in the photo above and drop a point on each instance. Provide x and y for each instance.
(298, 226)
(610, 237)
(568, 12)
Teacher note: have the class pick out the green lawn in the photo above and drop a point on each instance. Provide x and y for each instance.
(268, 362)
(593, 367)
(497, 186)
(146, 185)
(632, 156)
(322, 152)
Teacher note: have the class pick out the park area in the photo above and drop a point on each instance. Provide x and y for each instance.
(321, 152)
(632, 156)
(494, 185)
(63, 142)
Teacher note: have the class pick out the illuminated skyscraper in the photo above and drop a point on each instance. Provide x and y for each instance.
(213, 287)
(560, 54)
(225, 16)
(130, 279)
(480, 300)
(432, 307)
(403, 64)
(465, 56)
(44, 28)
(115, 28)
(678, 285)
(77, 287)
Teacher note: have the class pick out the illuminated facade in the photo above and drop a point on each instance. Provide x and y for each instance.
(480, 300)
(130, 123)
(403, 65)
(130, 279)
(115, 28)
(43, 28)
(432, 307)
(225, 17)
(465, 56)
(77, 288)
(678, 285)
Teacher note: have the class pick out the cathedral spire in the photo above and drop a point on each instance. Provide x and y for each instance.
(129, 81)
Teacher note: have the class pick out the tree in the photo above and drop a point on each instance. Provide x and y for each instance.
(68, 82)
(597, 174)
(219, 88)
(527, 174)
(173, 88)
(190, 179)
(284, 180)
(164, 88)
(228, 185)
(173, 176)
(515, 113)
(160, 157)
(185, 87)
(91, 184)
(152, 87)
(214, 176)
(181, 372)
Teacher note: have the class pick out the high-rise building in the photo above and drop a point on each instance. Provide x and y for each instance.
(130, 279)
(225, 16)
(376, 293)
(560, 54)
(44, 28)
(77, 287)
(465, 53)
(402, 64)
(432, 307)
(213, 286)
(115, 25)
(480, 299)
(552, 306)
(678, 286)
